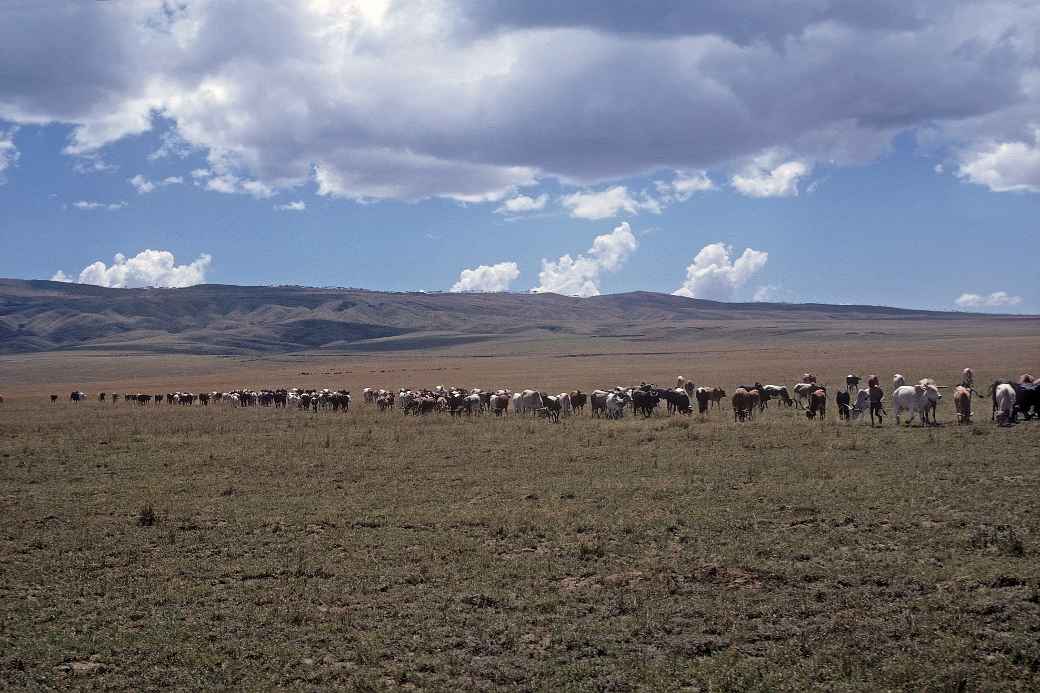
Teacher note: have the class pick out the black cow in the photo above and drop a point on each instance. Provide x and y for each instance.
(844, 402)
(677, 401)
(644, 401)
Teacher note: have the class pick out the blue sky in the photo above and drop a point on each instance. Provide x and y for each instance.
(825, 153)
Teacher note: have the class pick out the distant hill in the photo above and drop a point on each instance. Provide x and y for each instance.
(220, 319)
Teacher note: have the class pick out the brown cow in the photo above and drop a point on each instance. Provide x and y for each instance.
(817, 404)
(962, 404)
(741, 404)
(716, 395)
(578, 400)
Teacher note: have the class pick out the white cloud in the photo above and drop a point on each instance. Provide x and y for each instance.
(468, 99)
(487, 278)
(297, 206)
(997, 299)
(1005, 166)
(201, 173)
(580, 276)
(147, 268)
(8, 152)
(768, 175)
(522, 204)
(684, 185)
(939, 169)
(143, 186)
(608, 203)
(60, 276)
(713, 275)
(171, 144)
(93, 205)
(773, 293)
(229, 184)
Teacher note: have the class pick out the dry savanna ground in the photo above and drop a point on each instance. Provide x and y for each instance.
(206, 548)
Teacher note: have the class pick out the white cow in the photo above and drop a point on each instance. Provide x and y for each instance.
(1003, 403)
(898, 380)
(531, 401)
(616, 405)
(802, 392)
(518, 407)
(916, 399)
(861, 405)
(566, 407)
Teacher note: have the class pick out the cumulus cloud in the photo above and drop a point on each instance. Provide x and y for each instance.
(522, 204)
(8, 152)
(997, 299)
(608, 203)
(767, 175)
(147, 268)
(230, 184)
(91, 205)
(1005, 166)
(297, 206)
(715, 276)
(580, 276)
(487, 278)
(470, 99)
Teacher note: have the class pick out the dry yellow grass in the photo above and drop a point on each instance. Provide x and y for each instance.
(204, 548)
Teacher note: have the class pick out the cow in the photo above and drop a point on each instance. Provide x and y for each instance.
(566, 407)
(500, 403)
(756, 393)
(1003, 403)
(817, 404)
(776, 392)
(677, 399)
(77, 396)
(861, 405)
(898, 380)
(54, 398)
(101, 397)
(703, 396)
(716, 396)
(1025, 379)
(962, 404)
(802, 393)
(844, 401)
(851, 382)
(551, 408)
(1027, 399)
(644, 401)
(578, 400)
(115, 397)
(916, 399)
(741, 404)
(530, 401)
(615, 404)
(809, 378)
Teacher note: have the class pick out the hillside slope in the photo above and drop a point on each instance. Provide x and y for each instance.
(218, 319)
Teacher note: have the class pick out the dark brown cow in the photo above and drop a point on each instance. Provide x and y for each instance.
(578, 400)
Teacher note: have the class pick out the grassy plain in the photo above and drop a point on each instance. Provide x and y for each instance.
(207, 548)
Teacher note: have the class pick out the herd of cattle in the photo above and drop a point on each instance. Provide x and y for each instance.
(1009, 399)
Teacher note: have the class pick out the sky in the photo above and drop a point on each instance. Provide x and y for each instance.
(827, 151)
